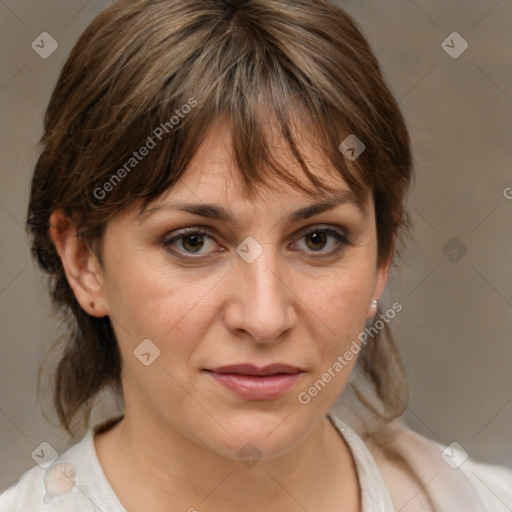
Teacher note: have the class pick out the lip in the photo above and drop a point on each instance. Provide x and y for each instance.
(250, 369)
(253, 383)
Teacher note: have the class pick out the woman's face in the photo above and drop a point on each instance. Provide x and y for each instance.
(257, 289)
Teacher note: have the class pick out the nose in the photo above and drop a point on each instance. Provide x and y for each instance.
(261, 303)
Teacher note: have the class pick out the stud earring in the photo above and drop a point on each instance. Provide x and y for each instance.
(375, 303)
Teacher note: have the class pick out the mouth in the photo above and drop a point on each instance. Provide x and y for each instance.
(250, 369)
(256, 383)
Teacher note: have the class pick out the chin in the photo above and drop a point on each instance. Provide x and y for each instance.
(269, 433)
(251, 449)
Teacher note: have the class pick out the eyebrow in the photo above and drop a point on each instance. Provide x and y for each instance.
(213, 211)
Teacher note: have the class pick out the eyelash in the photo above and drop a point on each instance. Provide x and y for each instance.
(342, 240)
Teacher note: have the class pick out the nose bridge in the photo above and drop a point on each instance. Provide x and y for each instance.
(265, 299)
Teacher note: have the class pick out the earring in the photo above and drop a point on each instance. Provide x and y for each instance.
(375, 303)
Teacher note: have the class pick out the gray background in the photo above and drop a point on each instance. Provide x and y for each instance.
(455, 329)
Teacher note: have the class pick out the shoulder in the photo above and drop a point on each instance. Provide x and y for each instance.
(26, 494)
(415, 466)
(493, 483)
(53, 488)
(73, 482)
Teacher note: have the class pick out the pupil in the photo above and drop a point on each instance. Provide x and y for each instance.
(318, 238)
(196, 241)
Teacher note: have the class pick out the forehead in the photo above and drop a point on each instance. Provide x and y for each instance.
(213, 177)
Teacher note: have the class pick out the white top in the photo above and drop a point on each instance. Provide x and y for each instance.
(75, 481)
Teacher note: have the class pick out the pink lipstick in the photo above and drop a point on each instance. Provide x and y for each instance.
(253, 383)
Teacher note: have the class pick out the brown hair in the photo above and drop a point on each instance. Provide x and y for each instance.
(135, 67)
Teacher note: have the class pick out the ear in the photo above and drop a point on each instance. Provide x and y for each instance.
(81, 265)
(381, 280)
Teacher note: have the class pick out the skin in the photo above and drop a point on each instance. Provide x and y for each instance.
(181, 431)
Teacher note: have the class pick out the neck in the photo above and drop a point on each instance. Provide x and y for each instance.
(151, 465)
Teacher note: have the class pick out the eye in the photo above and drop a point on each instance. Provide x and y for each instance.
(317, 238)
(193, 240)
(190, 241)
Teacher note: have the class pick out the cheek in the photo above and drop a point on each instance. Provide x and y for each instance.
(342, 301)
(150, 301)
(340, 311)
(341, 306)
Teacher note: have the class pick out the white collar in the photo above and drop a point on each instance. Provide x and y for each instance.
(374, 493)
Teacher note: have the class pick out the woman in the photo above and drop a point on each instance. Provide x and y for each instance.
(219, 198)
